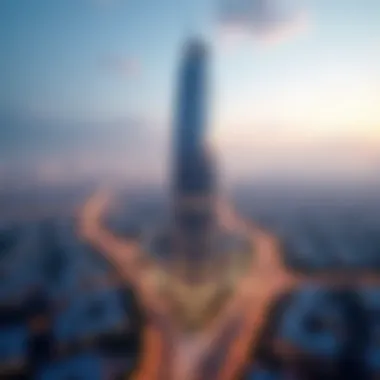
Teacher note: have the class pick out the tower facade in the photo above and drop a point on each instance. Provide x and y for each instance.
(193, 172)
(202, 259)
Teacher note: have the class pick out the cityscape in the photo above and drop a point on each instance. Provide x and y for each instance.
(127, 254)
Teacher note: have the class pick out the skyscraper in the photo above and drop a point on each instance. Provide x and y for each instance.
(193, 176)
(198, 259)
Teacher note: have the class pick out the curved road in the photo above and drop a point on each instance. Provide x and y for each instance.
(220, 351)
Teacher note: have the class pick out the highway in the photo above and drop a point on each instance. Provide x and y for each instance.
(221, 350)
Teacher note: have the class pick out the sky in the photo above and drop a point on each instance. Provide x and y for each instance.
(88, 86)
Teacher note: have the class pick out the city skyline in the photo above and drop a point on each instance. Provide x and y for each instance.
(91, 79)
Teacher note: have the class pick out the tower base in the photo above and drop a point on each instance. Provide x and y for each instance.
(194, 304)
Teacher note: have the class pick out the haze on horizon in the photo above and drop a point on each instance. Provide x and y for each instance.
(89, 87)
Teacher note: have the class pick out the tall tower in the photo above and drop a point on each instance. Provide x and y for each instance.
(202, 258)
(193, 176)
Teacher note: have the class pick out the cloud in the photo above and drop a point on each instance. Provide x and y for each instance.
(268, 21)
(122, 66)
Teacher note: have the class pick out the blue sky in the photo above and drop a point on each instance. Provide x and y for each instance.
(80, 77)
